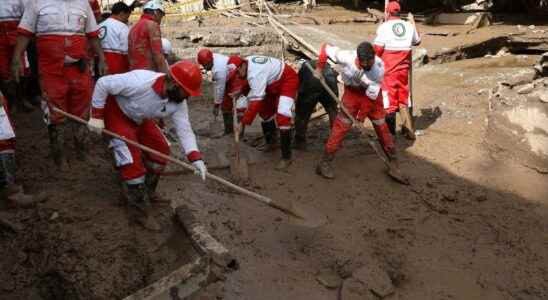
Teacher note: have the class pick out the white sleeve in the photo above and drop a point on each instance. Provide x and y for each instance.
(184, 131)
(339, 56)
(380, 38)
(373, 79)
(123, 38)
(109, 85)
(219, 77)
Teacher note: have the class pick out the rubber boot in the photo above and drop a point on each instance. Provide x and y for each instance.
(391, 122)
(270, 136)
(57, 145)
(80, 137)
(11, 192)
(285, 146)
(139, 206)
(23, 103)
(151, 182)
(228, 120)
(324, 168)
(408, 129)
(301, 126)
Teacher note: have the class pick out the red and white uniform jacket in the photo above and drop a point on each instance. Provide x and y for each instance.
(393, 44)
(135, 94)
(143, 40)
(113, 34)
(61, 28)
(220, 72)
(351, 73)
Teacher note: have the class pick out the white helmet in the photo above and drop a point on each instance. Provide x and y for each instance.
(166, 46)
(154, 5)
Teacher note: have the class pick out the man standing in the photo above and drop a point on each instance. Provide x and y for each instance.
(145, 40)
(10, 191)
(362, 73)
(11, 12)
(139, 97)
(63, 30)
(393, 44)
(221, 66)
(113, 33)
(273, 88)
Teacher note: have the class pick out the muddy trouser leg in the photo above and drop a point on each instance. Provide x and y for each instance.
(269, 131)
(10, 90)
(151, 136)
(303, 110)
(391, 122)
(57, 142)
(285, 144)
(385, 138)
(228, 121)
(330, 106)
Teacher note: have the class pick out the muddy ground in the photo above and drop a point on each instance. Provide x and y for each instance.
(472, 225)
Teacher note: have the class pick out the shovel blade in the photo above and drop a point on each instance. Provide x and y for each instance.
(239, 168)
(306, 216)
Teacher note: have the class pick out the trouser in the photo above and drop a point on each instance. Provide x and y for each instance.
(132, 163)
(359, 106)
(69, 91)
(7, 147)
(117, 63)
(396, 90)
(304, 108)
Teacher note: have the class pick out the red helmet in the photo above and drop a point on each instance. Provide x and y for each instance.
(205, 56)
(235, 60)
(188, 76)
(393, 8)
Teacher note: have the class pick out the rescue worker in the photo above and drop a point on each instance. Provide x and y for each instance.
(11, 12)
(273, 88)
(311, 91)
(139, 97)
(362, 73)
(221, 66)
(10, 192)
(114, 36)
(145, 40)
(65, 76)
(393, 45)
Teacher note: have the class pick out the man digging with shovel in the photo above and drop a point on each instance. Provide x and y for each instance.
(362, 73)
(141, 96)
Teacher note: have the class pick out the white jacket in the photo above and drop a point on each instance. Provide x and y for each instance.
(113, 35)
(220, 75)
(11, 10)
(262, 71)
(136, 98)
(354, 76)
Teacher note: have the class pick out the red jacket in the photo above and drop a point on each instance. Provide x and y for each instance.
(144, 39)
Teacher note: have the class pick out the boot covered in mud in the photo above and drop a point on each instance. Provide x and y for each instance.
(80, 138)
(139, 206)
(57, 145)
(324, 167)
(151, 182)
(9, 191)
(228, 121)
(285, 145)
(270, 136)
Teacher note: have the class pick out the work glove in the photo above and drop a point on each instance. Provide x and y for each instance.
(96, 125)
(216, 109)
(201, 169)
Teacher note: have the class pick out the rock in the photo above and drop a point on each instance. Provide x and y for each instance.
(526, 89)
(54, 216)
(223, 40)
(543, 95)
(420, 57)
(532, 27)
(329, 279)
(376, 279)
(353, 289)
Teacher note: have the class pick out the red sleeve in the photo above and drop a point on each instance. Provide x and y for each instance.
(93, 34)
(96, 8)
(194, 156)
(97, 113)
(322, 57)
(379, 50)
(251, 112)
(155, 37)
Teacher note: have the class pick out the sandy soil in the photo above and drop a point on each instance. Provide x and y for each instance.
(471, 225)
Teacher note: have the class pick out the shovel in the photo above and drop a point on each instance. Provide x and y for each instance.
(239, 166)
(215, 129)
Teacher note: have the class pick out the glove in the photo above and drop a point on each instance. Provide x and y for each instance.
(201, 169)
(96, 125)
(216, 109)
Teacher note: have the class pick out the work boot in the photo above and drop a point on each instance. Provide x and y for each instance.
(139, 206)
(408, 129)
(228, 120)
(23, 103)
(324, 168)
(80, 137)
(9, 191)
(394, 170)
(285, 143)
(270, 136)
(57, 145)
(151, 182)
(301, 125)
(391, 122)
